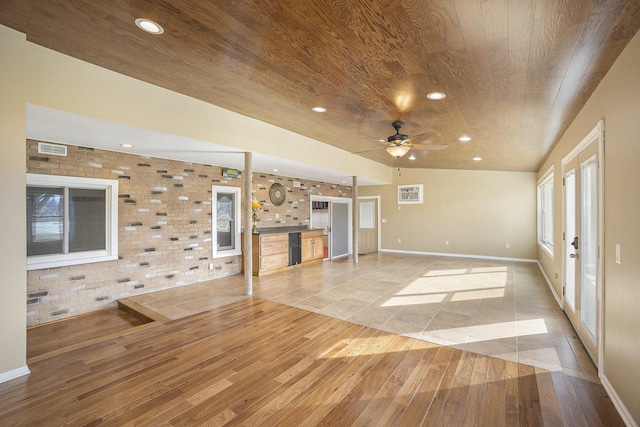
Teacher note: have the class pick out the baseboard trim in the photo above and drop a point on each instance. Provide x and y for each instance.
(14, 373)
(445, 254)
(553, 291)
(617, 402)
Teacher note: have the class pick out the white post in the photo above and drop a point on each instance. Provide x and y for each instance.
(247, 219)
(355, 218)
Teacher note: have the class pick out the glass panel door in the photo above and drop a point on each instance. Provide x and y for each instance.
(339, 229)
(570, 233)
(581, 257)
(589, 221)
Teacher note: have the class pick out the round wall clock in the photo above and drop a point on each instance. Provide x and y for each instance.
(277, 194)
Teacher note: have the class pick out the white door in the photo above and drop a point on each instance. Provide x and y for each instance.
(581, 245)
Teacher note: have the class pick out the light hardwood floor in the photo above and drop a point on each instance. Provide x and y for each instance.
(240, 360)
(496, 308)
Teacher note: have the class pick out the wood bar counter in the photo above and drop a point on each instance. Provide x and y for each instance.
(271, 249)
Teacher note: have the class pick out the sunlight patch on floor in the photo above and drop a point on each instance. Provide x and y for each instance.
(479, 294)
(492, 331)
(414, 300)
(438, 273)
(426, 286)
(431, 291)
(488, 270)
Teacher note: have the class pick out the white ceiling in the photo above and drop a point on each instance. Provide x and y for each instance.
(45, 124)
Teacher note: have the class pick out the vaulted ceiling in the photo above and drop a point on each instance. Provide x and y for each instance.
(515, 72)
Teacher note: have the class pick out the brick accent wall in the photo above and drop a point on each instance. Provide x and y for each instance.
(164, 228)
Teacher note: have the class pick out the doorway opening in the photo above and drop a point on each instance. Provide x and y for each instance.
(333, 216)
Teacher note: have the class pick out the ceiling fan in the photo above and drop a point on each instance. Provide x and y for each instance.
(399, 144)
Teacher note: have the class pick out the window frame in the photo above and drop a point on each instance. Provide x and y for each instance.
(545, 214)
(110, 253)
(237, 193)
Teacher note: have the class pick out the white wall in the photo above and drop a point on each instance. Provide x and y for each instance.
(13, 284)
(477, 212)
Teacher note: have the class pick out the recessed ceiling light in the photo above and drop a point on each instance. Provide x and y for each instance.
(344, 182)
(436, 95)
(274, 170)
(412, 157)
(465, 138)
(126, 145)
(149, 26)
(477, 159)
(319, 109)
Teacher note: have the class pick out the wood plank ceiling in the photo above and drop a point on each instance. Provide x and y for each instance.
(515, 72)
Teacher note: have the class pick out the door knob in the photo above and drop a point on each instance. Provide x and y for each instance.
(574, 256)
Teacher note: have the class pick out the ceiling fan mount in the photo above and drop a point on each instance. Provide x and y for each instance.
(398, 138)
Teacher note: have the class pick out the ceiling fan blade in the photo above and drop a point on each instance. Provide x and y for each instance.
(423, 136)
(367, 151)
(374, 140)
(428, 146)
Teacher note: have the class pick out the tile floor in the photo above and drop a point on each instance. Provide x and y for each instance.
(496, 308)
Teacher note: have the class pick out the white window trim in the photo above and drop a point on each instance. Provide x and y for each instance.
(237, 191)
(111, 252)
(546, 179)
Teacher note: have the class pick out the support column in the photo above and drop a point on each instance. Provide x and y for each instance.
(355, 218)
(247, 220)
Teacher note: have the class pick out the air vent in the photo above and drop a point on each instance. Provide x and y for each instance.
(52, 149)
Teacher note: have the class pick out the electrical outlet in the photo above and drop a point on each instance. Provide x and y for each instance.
(507, 246)
(277, 216)
(446, 242)
(399, 240)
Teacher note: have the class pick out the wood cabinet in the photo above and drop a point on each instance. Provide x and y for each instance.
(271, 250)
(312, 245)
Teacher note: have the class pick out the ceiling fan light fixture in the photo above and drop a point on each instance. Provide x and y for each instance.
(398, 150)
(435, 96)
(149, 26)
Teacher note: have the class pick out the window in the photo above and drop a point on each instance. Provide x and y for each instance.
(410, 194)
(226, 220)
(545, 212)
(70, 220)
(367, 215)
